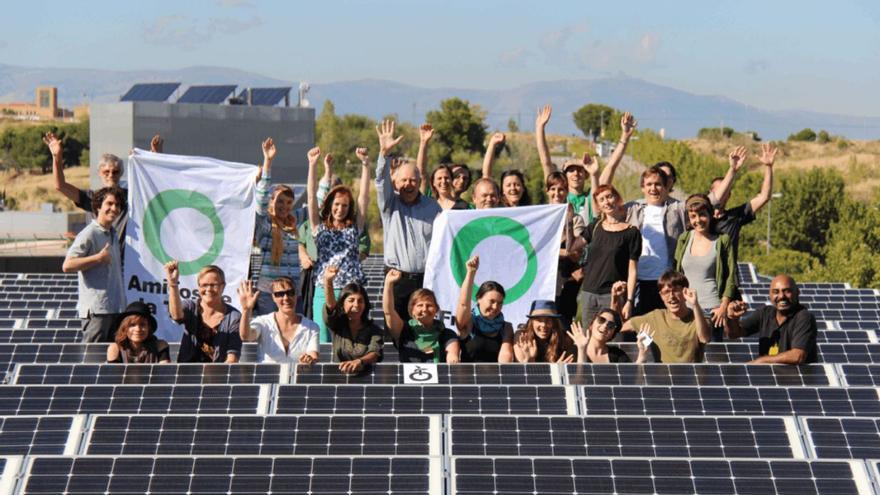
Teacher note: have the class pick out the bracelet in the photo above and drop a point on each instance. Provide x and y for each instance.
(630, 300)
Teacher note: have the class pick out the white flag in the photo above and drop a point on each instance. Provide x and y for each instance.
(199, 211)
(518, 248)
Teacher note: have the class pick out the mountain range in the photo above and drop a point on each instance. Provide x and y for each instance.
(679, 113)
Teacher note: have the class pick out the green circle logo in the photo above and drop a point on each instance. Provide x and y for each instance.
(474, 232)
(169, 200)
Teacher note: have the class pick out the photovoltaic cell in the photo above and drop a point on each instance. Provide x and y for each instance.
(265, 96)
(34, 435)
(262, 435)
(433, 399)
(464, 374)
(206, 94)
(614, 476)
(147, 374)
(28, 336)
(715, 401)
(233, 475)
(129, 399)
(843, 438)
(696, 374)
(609, 436)
(150, 92)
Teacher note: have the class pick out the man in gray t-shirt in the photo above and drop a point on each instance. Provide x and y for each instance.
(95, 256)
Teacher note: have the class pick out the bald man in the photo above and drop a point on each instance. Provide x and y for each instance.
(407, 219)
(486, 193)
(787, 329)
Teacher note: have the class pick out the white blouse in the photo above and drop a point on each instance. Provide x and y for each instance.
(270, 346)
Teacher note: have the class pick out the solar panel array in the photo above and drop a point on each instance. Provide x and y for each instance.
(150, 92)
(69, 423)
(207, 94)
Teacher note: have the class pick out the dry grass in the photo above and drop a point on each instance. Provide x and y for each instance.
(859, 162)
(29, 191)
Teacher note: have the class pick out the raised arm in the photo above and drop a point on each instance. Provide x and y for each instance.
(69, 191)
(463, 310)
(628, 126)
(330, 274)
(175, 307)
(393, 321)
(541, 140)
(496, 140)
(767, 158)
(264, 177)
(247, 297)
(736, 158)
(591, 165)
(157, 144)
(704, 331)
(387, 142)
(735, 311)
(364, 188)
(426, 132)
(312, 188)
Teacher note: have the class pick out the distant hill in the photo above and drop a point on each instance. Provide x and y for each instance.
(680, 113)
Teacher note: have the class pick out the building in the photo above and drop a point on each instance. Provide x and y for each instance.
(44, 107)
(205, 121)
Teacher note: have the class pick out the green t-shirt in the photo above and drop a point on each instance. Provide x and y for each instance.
(581, 201)
(675, 341)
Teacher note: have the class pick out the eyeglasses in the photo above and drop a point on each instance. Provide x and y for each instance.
(281, 293)
(611, 324)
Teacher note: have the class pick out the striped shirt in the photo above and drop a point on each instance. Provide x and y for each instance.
(289, 264)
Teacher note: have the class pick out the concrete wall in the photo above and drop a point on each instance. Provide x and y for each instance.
(26, 224)
(226, 132)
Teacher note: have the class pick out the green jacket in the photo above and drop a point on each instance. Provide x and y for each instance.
(725, 264)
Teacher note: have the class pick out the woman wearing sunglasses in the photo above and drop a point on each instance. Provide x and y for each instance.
(283, 336)
(592, 346)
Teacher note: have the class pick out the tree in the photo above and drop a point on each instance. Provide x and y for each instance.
(459, 129)
(806, 134)
(823, 137)
(592, 118)
(853, 251)
(512, 126)
(810, 204)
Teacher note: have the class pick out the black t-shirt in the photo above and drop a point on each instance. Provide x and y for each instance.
(460, 204)
(733, 221)
(798, 331)
(408, 351)
(615, 355)
(609, 256)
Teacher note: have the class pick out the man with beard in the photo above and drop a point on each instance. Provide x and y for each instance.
(787, 329)
(407, 219)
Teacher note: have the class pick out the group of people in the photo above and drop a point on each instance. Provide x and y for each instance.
(657, 271)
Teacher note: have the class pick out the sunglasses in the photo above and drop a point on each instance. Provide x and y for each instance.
(611, 324)
(281, 293)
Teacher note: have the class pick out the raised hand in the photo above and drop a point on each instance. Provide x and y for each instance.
(313, 156)
(157, 143)
(628, 125)
(618, 289)
(768, 154)
(543, 116)
(525, 351)
(645, 329)
(54, 144)
(565, 358)
(247, 295)
(104, 254)
(269, 149)
(496, 139)
(330, 274)
(362, 154)
(328, 160)
(473, 264)
(690, 296)
(172, 273)
(736, 309)
(737, 157)
(387, 141)
(578, 336)
(590, 164)
(426, 132)
(393, 276)
(719, 316)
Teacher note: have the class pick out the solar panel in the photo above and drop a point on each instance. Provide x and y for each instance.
(465, 374)
(843, 438)
(860, 375)
(149, 374)
(609, 436)
(133, 399)
(264, 435)
(265, 96)
(150, 92)
(26, 336)
(39, 435)
(207, 94)
(713, 401)
(829, 353)
(433, 399)
(75, 353)
(232, 475)
(616, 476)
(699, 374)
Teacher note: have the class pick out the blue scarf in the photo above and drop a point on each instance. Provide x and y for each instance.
(483, 325)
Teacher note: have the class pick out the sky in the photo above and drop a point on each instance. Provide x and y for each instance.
(778, 55)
